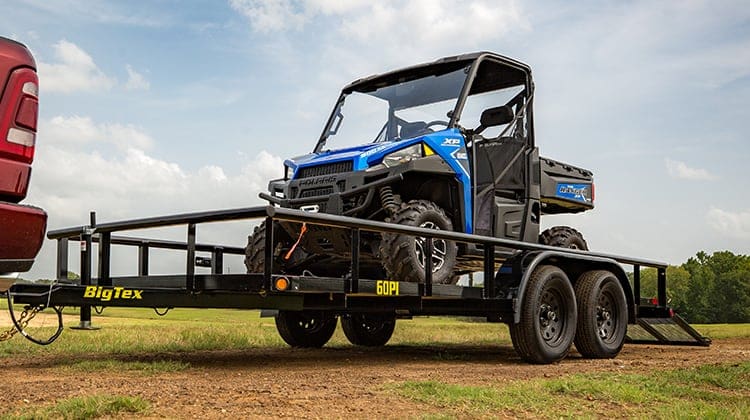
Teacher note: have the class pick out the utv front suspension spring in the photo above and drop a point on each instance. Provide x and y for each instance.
(389, 200)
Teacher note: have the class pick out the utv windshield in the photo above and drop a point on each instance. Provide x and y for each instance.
(396, 109)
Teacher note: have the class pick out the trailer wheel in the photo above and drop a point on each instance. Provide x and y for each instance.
(548, 317)
(602, 315)
(305, 328)
(372, 330)
(403, 255)
(564, 237)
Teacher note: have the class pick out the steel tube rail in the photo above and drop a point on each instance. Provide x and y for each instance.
(163, 221)
(299, 216)
(278, 213)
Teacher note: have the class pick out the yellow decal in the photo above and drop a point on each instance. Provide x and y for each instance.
(386, 288)
(107, 294)
(427, 150)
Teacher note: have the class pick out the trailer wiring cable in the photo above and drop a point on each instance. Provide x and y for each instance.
(299, 239)
(29, 312)
(98, 309)
(166, 311)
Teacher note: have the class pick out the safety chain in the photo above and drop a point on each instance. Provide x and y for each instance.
(26, 316)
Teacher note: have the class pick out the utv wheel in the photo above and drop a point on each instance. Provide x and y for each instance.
(372, 330)
(255, 250)
(403, 255)
(602, 315)
(548, 317)
(305, 328)
(564, 237)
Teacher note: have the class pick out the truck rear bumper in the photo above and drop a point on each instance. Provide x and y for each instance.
(21, 235)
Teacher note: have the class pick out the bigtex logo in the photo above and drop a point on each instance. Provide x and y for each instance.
(105, 295)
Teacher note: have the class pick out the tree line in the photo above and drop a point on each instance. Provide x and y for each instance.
(706, 288)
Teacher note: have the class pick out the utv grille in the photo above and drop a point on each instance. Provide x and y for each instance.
(328, 169)
(316, 192)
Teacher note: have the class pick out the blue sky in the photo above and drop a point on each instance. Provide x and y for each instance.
(169, 106)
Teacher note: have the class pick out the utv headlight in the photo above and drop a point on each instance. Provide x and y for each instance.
(288, 172)
(402, 156)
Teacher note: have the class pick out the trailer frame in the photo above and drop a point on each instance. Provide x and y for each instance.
(507, 266)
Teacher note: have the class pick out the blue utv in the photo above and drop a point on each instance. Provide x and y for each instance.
(443, 145)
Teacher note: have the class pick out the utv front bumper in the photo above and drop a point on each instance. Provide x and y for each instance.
(344, 194)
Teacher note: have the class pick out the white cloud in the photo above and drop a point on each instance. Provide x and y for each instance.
(731, 224)
(75, 71)
(61, 130)
(72, 177)
(136, 81)
(681, 170)
(422, 22)
(270, 15)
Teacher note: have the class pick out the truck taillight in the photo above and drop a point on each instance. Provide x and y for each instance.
(18, 124)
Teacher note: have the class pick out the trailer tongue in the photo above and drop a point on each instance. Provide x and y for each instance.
(307, 306)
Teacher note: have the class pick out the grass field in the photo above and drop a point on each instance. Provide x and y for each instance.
(706, 391)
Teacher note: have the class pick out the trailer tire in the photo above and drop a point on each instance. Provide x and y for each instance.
(371, 330)
(401, 253)
(548, 317)
(563, 237)
(310, 329)
(602, 315)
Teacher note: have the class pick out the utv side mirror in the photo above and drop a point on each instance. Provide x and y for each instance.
(493, 117)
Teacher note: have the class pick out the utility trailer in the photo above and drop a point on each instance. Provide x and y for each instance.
(528, 286)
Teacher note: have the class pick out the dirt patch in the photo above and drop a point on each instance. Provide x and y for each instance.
(331, 382)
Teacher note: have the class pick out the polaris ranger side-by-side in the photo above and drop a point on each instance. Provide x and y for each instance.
(445, 145)
(421, 175)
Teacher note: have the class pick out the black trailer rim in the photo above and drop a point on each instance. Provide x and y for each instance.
(607, 316)
(439, 248)
(310, 324)
(551, 317)
(370, 323)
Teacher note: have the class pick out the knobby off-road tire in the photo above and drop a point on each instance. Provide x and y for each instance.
(255, 251)
(548, 317)
(402, 255)
(372, 330)
(564, 237)
(602, 315)
(305, 328)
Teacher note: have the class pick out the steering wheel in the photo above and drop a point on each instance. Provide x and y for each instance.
(436, 122)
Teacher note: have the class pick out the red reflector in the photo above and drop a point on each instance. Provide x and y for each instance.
(671, 313)
(27, 113)
(654, 301)
(593, 192)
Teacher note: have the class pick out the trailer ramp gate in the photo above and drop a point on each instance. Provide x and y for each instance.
(656, 323)
(663, 326)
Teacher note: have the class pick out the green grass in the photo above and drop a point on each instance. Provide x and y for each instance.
(139, 330)
(711, 391)
(127, 331)
(724, 330)
(84, 408)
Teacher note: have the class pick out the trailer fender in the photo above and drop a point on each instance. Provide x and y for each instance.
(573, 264)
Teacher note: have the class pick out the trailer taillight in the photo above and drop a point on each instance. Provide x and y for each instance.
(18, 122)
(282, 284)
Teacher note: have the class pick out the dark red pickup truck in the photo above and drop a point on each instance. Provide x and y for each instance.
(22, 227)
